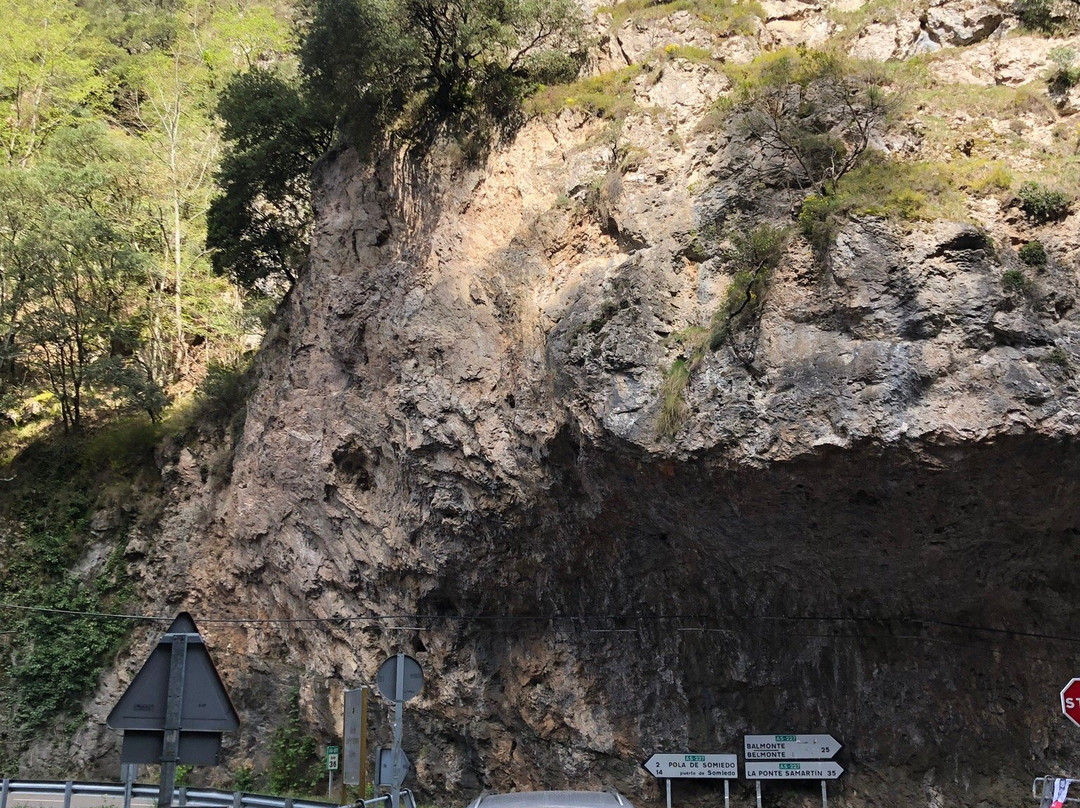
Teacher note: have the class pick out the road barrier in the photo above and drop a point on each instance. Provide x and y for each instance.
(186, 797)
(1042, 789)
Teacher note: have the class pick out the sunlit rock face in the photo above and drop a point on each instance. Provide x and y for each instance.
(865, 524)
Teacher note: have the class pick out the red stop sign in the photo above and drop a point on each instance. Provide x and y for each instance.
(1070, 701)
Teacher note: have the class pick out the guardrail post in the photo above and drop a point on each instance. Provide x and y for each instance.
(4, 788)
(183, 797)
(69, 788)
(1047, 792)
(127, 794)
(237, 799)
(288, 802)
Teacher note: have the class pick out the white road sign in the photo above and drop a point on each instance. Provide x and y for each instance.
(795, 769)
(790, 747)
(680, 765)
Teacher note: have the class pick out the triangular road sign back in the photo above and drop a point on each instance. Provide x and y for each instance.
(206, 706)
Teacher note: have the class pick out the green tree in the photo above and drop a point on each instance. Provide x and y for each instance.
(171, 101)
(811, 115)
(371, 68)
(78, 269)
(258, 226)
(419, 63)
(48, 74)
(294, 764)
(22, 197)
(359, 53)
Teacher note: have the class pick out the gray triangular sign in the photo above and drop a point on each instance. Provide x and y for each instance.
(206, 705)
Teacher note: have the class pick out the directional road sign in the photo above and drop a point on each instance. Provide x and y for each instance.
(1070, 701)
(385, 762)
(795, 769)
(790, 747)
(676, 765)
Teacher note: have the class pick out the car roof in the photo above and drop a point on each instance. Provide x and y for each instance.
(553, 799)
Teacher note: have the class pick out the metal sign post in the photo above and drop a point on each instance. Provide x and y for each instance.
(129, 772)
(399, 703)
(170, 747)
(399, 679)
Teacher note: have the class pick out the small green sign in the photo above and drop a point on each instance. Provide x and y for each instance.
(790, 767)
(698, 758)
(783, 738)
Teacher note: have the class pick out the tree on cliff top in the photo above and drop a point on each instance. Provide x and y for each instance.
(417, 68)
(419, 65)
(258, 227)
(812, 115)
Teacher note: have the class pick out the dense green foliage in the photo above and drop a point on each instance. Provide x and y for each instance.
(53, 658)
(810, 115)
(1042, 204)
(109, 142)
(74, 266)
(108, 305)
(1014, 280)
(258, 225)
(423, 65)
(1037, 15)
(1033, 253)
(294, 763)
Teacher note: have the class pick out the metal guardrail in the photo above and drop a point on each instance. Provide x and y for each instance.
(406, 794)
(185, 797)
(1042, 789)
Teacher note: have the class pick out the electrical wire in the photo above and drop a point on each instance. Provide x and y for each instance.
(688, 623)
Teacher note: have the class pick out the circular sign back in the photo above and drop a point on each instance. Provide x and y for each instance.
(412, 680)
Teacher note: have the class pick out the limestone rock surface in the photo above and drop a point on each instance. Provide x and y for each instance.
(865, 525)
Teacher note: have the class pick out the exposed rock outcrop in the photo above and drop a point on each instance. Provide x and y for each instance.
(452, 450)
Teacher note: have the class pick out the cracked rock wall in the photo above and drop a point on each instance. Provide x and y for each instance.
(452, 450)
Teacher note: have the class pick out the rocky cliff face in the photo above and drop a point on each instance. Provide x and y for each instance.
(452, 450)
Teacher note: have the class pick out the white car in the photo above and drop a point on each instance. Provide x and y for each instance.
(552, 799)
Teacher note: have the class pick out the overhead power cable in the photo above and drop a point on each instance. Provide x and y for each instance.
(684, 622)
